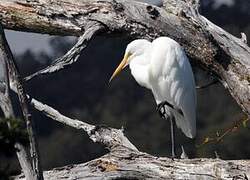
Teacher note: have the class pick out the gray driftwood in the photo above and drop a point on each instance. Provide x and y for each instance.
(126, 164)
(9, 75)
(109, 137)
(124, 161)
(209, 46)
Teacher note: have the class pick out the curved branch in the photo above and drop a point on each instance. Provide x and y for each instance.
(109, 137)
(124, 161)
(73, 54)
(208, 45)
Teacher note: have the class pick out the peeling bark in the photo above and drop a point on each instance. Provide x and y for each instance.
(126, 164)
(206, 44)
(124, 161)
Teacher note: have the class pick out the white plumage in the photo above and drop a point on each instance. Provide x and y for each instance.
(163, 67)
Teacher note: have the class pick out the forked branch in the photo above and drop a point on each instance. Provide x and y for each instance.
(14, 80)
(206, 44)
(107, 136)
(6, 67)
(73, 54)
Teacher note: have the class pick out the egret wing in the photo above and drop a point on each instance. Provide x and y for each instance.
(173, 81)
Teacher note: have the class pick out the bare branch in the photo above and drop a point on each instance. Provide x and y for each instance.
(16, 82)
(125, 161)
(206, 44)
(73, 54)
(6, 104)
(109, 137)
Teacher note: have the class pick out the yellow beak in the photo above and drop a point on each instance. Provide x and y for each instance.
(121, 66)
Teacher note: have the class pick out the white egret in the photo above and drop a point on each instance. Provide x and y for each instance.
(163, 67)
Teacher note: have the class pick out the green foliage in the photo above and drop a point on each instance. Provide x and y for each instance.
(11, 131)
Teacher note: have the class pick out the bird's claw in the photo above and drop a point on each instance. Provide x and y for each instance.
(161, 109)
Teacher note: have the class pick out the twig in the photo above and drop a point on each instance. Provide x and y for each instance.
(73, 54)
(219, 137)
(16, 82)
(6, 105)
(109, 137)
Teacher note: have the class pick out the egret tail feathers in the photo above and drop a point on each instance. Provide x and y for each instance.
(184, 124)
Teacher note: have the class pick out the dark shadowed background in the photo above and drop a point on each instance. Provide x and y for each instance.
(82, 91)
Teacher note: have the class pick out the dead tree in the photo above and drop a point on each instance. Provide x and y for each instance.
(10, 77)
(209, 46)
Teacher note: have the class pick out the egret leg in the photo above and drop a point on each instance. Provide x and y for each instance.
(172, 126)
(161, 108)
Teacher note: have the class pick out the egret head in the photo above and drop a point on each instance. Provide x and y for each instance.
(134, 49)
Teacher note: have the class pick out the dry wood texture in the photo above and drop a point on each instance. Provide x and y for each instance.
(9, 75)
(209, 46)
(126, 164)
(124, 161)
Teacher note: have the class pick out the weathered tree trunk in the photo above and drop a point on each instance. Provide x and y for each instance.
(206, 44)
(122, 163)
(9, 75)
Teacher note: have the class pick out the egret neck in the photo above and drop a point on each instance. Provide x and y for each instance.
(140, 70)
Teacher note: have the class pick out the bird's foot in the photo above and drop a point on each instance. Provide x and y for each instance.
(161, 108)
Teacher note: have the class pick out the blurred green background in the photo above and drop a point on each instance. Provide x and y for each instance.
(82, 91)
